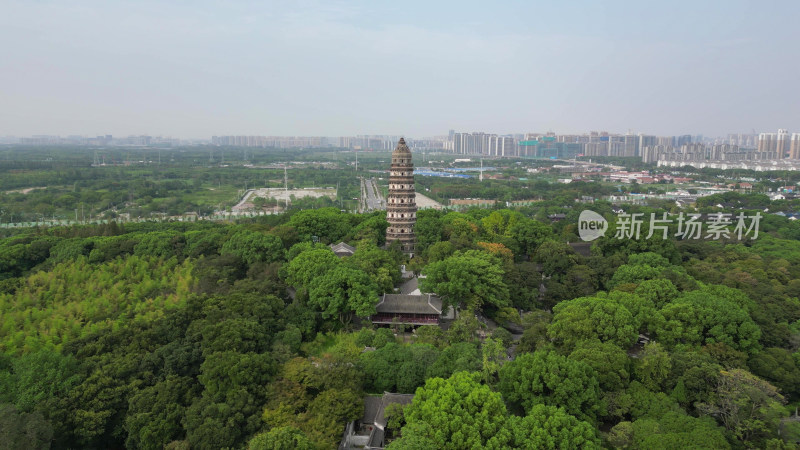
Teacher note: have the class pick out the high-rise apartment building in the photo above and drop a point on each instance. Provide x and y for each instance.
(665, 141)
(767, 143)
(794, 146)
(774, 145)
(596, 149)
(502, 146)
(616, 146)
(646, 141)
(682, 140)
(782, 143)
(471, 143)
(630, 145)
(743, 140)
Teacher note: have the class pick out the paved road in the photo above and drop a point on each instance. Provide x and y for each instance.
(371, 197)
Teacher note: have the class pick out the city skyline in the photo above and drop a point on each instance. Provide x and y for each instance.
(343, 68)
(262, 140)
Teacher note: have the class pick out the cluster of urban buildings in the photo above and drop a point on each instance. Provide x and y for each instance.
(779, 145)
(274, 141)
(551, 145)
(772, 151)
(764, 151)
(99, 141)
(651, 148)
(360, 142)
(768, 147)
(481, 144)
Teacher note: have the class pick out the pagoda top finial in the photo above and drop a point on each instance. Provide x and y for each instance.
(401, 147)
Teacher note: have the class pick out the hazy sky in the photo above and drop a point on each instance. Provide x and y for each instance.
(199, 68)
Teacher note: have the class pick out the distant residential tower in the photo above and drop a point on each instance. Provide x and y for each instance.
(401, 206)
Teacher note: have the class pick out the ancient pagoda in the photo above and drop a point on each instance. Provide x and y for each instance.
(401, 206)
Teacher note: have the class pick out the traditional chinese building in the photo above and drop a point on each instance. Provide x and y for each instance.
(341, 249)
(425, 309)
(369, 432)
(401, 206)
(411, 307)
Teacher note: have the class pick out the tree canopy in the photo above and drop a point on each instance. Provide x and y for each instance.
(467, 280)
(455, 413)
(545, 377)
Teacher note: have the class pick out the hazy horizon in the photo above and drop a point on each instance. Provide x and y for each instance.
(196, 69)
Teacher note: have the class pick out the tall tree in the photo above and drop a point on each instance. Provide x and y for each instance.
(254, 247)
(494, 355)
(22, 431)
(529, 235)
(653, 366)
(609, 361)
(777, 366)
(457, 413)
(702, 317)
(671, 430)
(467, 280)
(555, 257)
(590, 318)
(747, 406)
(344, 292)
(280, 438)
(545, 377)
(379, 264)
(327, 224)
(548, 427)
(155, 413)
(309, 264)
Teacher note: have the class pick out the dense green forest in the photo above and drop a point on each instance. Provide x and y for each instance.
(253, 333)
(249, 334)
